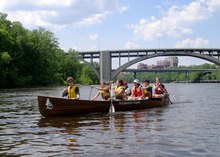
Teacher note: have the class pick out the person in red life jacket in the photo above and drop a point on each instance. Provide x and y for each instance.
(72, 91)
(159, 88)
(137, 91)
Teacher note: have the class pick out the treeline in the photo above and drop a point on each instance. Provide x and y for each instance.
(176, 76)
(34, 58)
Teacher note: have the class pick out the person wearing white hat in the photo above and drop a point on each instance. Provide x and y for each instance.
(137, 91)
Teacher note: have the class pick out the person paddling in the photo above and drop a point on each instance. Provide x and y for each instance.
(119, 92)
(159, 88)
(72, 91)
(103, 90)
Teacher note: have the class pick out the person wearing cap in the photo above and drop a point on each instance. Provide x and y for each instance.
(147, 88)
(126, 88)
(137, 91)
(103, 90)
(72, 91)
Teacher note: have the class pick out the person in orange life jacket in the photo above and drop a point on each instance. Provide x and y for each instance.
(72, 91)
(118, 90)
(137, 91)
(159, 88)
(103, 91)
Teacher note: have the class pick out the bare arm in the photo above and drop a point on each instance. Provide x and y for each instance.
(77, 93)
(94, 98)
(120, 93)
(65, 92)
(142, 91)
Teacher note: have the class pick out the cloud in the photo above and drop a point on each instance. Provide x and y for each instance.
(93, 19)
(59, 14)
(177, 21)
(93, 36)
(123, 9)
(131, 45)
(53, 2)
(37, 19)
(189, 43)
(213, 5)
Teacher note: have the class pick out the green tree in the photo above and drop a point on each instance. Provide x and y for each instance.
(41, 54)
(70, 65)
(195, 76)
(215, 75)
(86, 76)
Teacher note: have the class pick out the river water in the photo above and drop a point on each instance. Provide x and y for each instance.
(188, 127)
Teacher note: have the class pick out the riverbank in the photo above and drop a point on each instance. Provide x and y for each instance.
(210, 81)
(201, 81)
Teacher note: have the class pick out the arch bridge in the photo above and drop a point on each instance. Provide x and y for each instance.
(105, 57)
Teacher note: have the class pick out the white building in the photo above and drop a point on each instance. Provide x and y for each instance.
(168, 62)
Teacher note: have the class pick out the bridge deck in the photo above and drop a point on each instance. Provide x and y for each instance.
(168, 70)
(144, 52)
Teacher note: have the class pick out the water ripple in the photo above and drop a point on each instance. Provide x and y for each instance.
(188, 127)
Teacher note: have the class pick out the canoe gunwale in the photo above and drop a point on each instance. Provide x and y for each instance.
(53, 106)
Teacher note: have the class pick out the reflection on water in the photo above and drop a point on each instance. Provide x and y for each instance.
(188, 127)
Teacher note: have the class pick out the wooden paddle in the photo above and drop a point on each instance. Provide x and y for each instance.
(112, 108)
(90, 91)
(169, 99)
(167, 95)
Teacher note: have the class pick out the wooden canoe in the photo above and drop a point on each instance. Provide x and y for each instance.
(52, 106)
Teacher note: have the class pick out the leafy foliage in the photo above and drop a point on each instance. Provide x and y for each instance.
(176, 76)
(34, 58)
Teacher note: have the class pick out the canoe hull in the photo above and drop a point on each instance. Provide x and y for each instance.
(52, 106)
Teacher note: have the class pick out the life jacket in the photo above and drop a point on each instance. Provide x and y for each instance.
(148, 91)
(145, 90)
(105, 94)
(118, 90)
(159, 90)
(71, 92)
(137, 92)
(127, 91)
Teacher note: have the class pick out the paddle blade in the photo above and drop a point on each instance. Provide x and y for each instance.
(112, 109)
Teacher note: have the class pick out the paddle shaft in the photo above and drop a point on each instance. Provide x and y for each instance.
(168, 96)
(165, 90)
(169, 100)
(90, 93)
(112, 109)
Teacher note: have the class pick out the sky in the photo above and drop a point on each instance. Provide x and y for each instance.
(90, 25)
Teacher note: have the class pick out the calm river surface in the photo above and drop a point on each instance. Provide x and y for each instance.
(188, 127)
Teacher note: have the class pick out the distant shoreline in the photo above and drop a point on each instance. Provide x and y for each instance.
(201, 81)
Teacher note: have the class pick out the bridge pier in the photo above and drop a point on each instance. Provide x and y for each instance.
(105, 66)
(134, 75)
